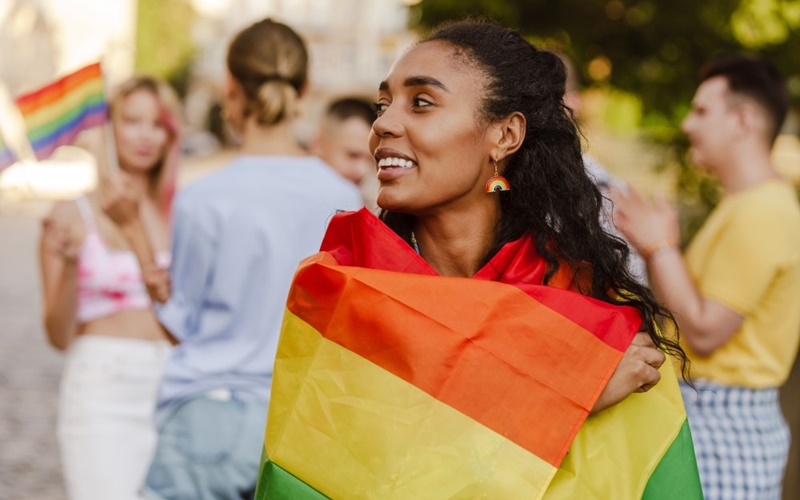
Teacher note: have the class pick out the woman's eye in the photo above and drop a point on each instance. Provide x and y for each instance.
(380, 107)
(419, 102)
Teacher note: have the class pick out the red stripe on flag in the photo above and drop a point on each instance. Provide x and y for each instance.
(360, 239)
(51, 93)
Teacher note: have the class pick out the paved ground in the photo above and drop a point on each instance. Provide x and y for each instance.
(29, 368)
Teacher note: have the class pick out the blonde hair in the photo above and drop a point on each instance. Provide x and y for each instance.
(270, 62)
(163, 178)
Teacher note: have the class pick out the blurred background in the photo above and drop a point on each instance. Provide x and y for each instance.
(636, 61)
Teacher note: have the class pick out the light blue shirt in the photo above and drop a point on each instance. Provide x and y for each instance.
(238, 236)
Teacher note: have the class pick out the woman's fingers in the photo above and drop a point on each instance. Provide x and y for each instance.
(158, 284)
(644, 349)
(650, 377)
(117, 200)
(643, 339)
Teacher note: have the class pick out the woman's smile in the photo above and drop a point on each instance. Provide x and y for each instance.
(392, 164)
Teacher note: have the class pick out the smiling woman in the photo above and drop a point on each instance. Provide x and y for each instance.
(97, 309)
(471, 328)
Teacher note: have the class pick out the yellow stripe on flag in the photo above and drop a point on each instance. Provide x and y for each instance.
(353, 430)
(73, 99)
(619, 448)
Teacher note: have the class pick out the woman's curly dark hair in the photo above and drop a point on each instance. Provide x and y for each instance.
(552, 199)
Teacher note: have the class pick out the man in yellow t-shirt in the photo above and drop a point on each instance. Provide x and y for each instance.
(736, 292)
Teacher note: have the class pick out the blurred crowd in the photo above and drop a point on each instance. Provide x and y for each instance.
(168, 302)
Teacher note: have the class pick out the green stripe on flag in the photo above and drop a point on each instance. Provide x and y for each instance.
(274, 483)
(43, 130)
(676, 476)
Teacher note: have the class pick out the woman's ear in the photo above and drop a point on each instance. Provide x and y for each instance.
(509, 135)
(232, 87)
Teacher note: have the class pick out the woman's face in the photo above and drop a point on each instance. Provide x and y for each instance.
(431, 150)
(140, 131)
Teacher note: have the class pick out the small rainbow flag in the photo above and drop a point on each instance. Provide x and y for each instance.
(7, 157)
(55, 114)
(392, 382)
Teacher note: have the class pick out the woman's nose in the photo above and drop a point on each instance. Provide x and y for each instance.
(388, 123)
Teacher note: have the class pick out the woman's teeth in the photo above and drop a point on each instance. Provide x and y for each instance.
(395, 162)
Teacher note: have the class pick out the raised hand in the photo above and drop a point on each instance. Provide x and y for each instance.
(648, 226)
(636, 372)
(158, 283)
(58, 238)
(118, 201)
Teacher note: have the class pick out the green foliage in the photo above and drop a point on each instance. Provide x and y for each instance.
(622, 112)
(163, 40)
(654, 49)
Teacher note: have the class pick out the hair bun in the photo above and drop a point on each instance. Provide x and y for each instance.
(270, 62)
(276, 100)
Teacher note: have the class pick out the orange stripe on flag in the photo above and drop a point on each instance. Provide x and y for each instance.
(46, 96)
(509, 363)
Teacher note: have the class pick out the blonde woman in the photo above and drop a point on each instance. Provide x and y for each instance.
(97, 310)
(239, 234)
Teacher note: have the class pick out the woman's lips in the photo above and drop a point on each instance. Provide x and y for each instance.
(391, 168)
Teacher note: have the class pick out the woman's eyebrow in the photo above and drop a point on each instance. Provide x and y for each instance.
(417, 81)
(424, 81)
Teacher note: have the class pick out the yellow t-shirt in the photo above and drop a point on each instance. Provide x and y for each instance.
(747, 257)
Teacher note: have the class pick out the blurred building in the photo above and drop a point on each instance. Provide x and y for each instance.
(39, 41)
(42, 39)
(352, 44)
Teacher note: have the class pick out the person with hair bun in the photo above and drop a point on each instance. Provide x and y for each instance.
(483, 337)
(239, 234)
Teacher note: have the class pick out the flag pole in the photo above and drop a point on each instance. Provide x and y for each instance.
(108, 127)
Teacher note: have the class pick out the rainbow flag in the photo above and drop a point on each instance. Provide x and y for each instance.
(391, 382)
(54, 115)
(7, 157)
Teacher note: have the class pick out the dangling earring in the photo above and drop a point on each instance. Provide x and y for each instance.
(497, 182)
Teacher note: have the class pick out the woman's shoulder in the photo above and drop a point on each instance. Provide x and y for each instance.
(66, 214)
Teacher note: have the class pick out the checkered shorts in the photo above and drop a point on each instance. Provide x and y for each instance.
(740, 438)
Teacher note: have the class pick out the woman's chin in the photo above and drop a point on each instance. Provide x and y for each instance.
(388, 199)
(139, 167)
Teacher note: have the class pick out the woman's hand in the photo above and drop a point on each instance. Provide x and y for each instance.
(158, 282)
(57, 238)
(118, 201)
(637, 372)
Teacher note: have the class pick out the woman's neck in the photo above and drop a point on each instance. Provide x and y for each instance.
(137, 182)
(457, 242)
(273, 140)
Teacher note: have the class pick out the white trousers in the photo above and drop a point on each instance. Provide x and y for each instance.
(105, 419)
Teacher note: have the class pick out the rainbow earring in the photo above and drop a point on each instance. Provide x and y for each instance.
(497, 182)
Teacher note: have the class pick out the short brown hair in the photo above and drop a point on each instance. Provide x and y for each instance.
(756, 79)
